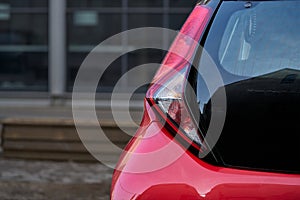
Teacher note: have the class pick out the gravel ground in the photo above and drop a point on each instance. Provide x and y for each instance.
(47, 180)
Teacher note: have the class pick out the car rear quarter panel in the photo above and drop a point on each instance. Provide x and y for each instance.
(185, 176)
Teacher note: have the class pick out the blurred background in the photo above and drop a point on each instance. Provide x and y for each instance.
(42, 45)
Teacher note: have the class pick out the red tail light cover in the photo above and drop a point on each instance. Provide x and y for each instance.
(167, 89)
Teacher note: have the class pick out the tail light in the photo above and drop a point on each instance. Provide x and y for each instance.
(166, 93)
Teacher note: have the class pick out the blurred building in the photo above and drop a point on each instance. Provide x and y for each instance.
(43, 42)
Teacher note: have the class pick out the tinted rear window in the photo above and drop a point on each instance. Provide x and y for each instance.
(257, 51)
(262, 39)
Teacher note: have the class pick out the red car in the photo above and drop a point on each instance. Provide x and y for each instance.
(222, 114)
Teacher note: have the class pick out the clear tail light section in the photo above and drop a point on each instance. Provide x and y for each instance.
(166, 93)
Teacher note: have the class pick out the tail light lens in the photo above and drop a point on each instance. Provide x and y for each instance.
(166, 93)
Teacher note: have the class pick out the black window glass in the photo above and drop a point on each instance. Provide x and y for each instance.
(24, 3)
(145, 3)
(85, 30)
(23, 46)
(94, 3)
(185, 3)
(256, 50)
(177, 20)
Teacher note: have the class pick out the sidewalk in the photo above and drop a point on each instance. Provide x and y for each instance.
(47, 180)
(50, 180)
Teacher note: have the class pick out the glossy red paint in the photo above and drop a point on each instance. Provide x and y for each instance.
(172, 75)
(155, 165)
(187, 177)
(183, 47)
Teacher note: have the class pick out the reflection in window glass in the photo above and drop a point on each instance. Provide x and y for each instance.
(92, 28)
(25, 3)
(87, 29)
(183, 3)
(145, 3)
(22, 71)
(24, 52)
(262, 40)
(111, 76)
(25, 29)
(177, 20)
(140, 57)
(93, 3)
(145, 20)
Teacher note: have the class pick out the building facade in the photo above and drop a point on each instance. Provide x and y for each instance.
(44, 42)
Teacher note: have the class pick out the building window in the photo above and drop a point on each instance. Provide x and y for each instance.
(89, 22)
(24, 45)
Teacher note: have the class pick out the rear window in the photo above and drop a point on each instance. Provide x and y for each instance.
(262, 39)
(257, 51)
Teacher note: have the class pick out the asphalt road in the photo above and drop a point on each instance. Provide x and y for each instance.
(47, 180)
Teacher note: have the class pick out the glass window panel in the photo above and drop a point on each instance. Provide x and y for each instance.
(74, 60)
(82, 38)
(25, 29)
(145, 20)
(111, 76)
(183, 3)
(94, 3)
(92, 33)
(177, 20)
(140, 57)
(25, 3)
(145, 3)
(144, 56)
(108, 79)
(24, 52)
(23, 71)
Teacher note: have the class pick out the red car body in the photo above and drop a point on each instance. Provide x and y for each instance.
(156, 165)
(188, 177)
